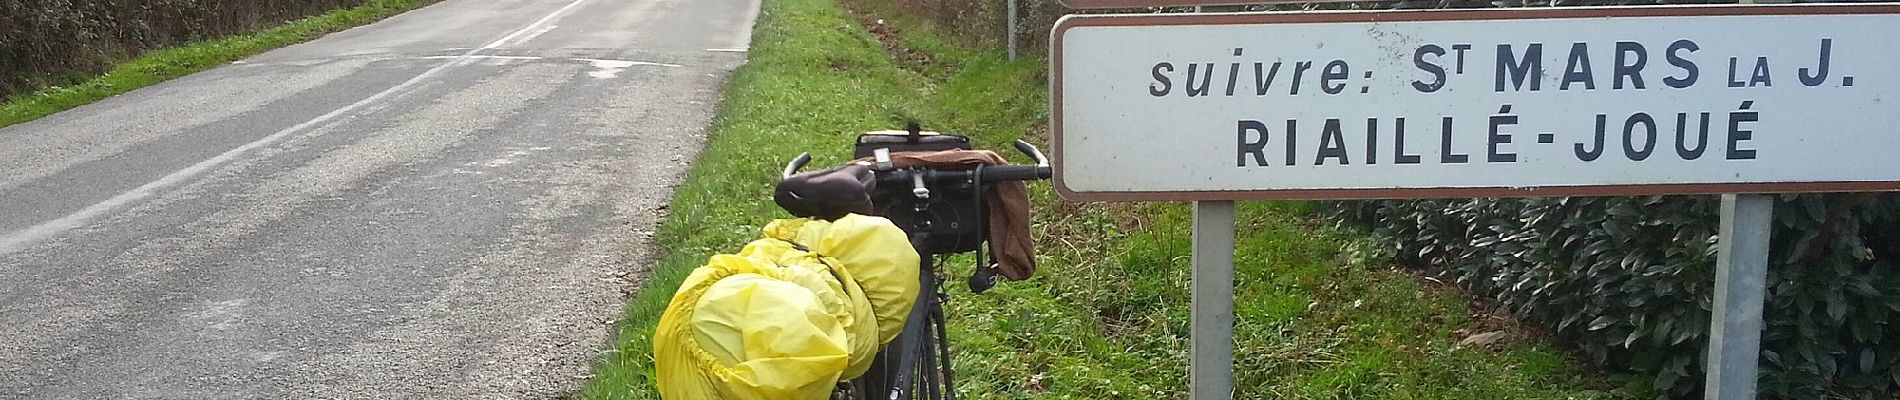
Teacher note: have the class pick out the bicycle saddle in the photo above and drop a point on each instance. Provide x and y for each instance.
(827, 194)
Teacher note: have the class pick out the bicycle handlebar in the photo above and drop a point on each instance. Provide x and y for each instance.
(795, 165)
(989, 174)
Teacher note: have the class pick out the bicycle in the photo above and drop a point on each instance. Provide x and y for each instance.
(943, 212)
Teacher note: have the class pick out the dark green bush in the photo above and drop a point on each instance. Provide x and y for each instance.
(56, 42)
(985, 22)
(1630, 280)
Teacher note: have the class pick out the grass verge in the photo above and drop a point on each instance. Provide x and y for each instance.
(1107, 317)
(166, 64)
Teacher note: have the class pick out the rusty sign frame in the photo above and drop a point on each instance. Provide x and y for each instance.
(1105, 4)
(1134, 20)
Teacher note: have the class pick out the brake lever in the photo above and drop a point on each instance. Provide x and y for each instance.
(795, 165)
(1032, 152)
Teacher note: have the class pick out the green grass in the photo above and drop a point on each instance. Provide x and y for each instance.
(1107, 317)
(161, 65)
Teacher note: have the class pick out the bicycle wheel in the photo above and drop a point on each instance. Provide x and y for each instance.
(945, 374)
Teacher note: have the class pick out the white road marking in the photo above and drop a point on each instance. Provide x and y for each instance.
(482, 57)
(514, 155)
(536, 25)
(18, 240)
(598, 63)
(608, 69)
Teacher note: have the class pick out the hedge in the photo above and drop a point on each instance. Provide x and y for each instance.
(1629, 281)
(57, 42)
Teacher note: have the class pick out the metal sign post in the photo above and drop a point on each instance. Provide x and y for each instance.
(1011, 28)
(1211, 369)
(1741, 271)
(1545, 102)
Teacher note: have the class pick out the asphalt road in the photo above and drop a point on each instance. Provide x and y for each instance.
(445, 204)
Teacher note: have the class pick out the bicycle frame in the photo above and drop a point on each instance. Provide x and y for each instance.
(912, 348)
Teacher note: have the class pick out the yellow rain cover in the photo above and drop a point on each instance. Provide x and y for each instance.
(789, 315)
(875, 252)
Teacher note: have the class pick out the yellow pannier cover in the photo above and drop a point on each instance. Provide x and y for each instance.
(789, 315)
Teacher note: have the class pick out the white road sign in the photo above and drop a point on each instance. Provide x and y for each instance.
(1087, 4)
(1406, 104)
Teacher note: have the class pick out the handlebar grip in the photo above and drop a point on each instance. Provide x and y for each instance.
(795, 165)
(1016, 173)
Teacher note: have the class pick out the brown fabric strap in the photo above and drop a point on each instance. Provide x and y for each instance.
(1008, 207)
